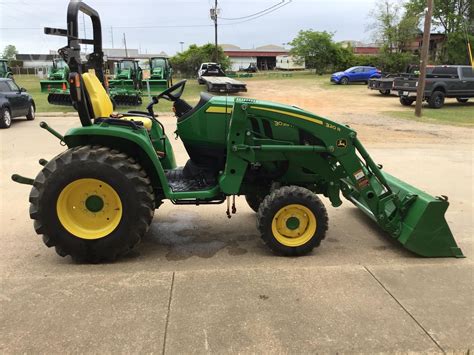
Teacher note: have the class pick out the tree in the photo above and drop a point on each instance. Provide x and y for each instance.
(455, 18)
(394, 26)
(188, 62)
(318, 50)
(449, 15)
(9, 52)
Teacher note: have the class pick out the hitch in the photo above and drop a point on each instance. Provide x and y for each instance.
(55, 133)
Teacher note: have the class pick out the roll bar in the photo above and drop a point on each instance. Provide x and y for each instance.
(72, 52)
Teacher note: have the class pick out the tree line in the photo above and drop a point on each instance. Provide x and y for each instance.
(395, 24)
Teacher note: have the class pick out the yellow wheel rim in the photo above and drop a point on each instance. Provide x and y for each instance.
(294, 225)
(89, 208)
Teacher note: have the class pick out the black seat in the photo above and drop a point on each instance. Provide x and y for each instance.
(205, 97)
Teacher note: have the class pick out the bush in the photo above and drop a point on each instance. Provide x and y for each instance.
(188, 62)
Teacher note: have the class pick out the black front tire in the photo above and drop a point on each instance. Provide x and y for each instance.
(407, 101)
(462, 100)
(344, 81)
(115, 169)
(5, 118)
(385, 92)
(30, 116)
(436, 99)
(280, 204)
(255, 199)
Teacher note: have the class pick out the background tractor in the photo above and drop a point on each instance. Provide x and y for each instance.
(96, 200)
(126, 85)
(57, 85)
(161, 75)
(5, 70)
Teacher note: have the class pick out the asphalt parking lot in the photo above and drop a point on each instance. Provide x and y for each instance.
(201, 283)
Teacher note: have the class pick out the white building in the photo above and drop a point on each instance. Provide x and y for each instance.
(288, 62)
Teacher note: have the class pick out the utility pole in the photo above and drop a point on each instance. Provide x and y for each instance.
(214, 13)
(125, 44)
(181, 43)
(424, 59)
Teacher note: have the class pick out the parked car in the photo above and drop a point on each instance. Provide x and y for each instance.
(355, 74)
(14, 102)
(455, 81)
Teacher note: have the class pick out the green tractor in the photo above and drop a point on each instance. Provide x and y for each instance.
(5, 70)
(96, 200)
(125, 87)
(161, 75)
(57, 85)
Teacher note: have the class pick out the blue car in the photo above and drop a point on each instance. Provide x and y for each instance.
(355, 74)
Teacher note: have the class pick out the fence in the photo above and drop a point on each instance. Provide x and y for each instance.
(38, 71)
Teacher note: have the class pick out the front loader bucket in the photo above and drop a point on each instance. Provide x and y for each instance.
(424, 229)
(50, 85)
(123, 84)
(157, 86)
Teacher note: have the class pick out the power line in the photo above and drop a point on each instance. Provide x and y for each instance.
(257, 13)
(272, 9)
(256, 17)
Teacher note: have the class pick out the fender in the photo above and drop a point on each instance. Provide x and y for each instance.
(440, 86)
(136, 143)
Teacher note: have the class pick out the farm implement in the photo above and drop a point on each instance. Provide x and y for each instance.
(125, 87)
(5, 70)
(57, 85)
(161, 75)
(95, 200)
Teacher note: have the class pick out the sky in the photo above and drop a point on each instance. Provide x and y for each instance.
(170, 22)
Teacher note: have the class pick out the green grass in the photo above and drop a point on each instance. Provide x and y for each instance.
(32, 85)
(451, 113)
(191, 94)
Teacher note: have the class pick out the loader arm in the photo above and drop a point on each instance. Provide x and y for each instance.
(409, 215)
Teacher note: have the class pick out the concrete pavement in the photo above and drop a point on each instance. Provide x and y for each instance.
(200, 283)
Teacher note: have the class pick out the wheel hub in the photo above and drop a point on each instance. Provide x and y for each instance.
(294, 225)
(89, 208)
(94, 203)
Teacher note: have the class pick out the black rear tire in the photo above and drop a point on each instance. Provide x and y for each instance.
(436, 99)
(300, 207)
(462, 100)
(105, 167)
(385, 92)
(407, 101)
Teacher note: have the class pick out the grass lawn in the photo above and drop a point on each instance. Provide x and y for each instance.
(451, 113)
(191, 93)
(31, 83)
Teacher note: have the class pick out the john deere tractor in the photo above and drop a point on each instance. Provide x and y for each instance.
(95, 200)
(126, 86)
(57, 85)
(5, 70)
(161, 75)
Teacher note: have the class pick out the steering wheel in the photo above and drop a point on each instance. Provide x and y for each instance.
(170, 95)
